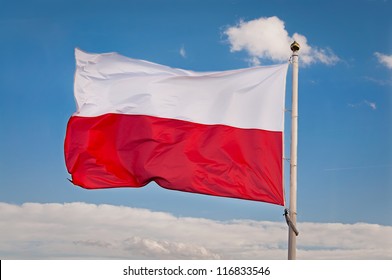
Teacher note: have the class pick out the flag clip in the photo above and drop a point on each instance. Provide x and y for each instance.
(289, 222)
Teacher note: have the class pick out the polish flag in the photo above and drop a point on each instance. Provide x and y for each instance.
(214, 133)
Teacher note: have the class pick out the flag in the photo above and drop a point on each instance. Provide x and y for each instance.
(214, 133)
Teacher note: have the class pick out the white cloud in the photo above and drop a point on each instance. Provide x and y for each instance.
(88, 231)
(183, 51)
(378, 81)
(267, 38)
(384, 59)
(371, 105)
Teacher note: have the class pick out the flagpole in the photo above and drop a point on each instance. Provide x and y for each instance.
(292, 254)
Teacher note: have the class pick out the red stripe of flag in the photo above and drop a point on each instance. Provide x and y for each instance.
(117, 150)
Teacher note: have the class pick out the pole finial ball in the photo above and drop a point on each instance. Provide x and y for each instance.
(294, 46)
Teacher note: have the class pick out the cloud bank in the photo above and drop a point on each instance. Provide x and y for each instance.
(89, 231)
(267, 38)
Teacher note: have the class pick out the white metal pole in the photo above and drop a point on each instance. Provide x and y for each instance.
(292, 253)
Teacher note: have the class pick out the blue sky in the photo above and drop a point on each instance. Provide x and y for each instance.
(345, 131)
